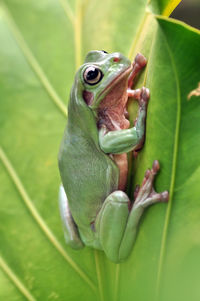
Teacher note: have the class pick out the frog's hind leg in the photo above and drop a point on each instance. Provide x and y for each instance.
(111, 223)
(118, 221)
(145, 196)
(70, 229)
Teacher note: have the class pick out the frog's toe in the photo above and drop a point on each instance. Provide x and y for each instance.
(156, 166)
(140, 60)
(137, 189)
(165, 196)
(147, 195)
(144, 96)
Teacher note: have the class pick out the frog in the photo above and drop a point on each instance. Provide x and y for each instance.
(95, 209)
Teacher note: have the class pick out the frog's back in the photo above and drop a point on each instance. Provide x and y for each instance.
(88, 174)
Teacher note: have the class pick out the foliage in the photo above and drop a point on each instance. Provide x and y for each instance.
(42, 44)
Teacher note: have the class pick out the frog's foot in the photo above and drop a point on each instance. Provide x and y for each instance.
(146, 195)
(136, 191)
(139, 63)
(142, 94)
(143, 102)
(134, 93)
(117, 221)
(144, 97)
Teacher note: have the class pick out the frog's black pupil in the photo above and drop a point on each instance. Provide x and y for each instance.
(92, 74)
(104, 51)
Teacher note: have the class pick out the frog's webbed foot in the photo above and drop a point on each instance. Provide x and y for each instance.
(146, 195)
(71, 233)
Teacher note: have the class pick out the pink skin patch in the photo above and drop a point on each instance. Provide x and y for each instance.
(88, 97)
(112, 111)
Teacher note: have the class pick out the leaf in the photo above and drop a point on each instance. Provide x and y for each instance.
(42, 43)
(167, 237)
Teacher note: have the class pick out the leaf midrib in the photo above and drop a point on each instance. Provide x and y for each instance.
(117, 271)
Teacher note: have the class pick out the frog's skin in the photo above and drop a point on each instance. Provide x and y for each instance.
(95, 210)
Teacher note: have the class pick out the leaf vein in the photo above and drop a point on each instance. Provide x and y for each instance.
(77, 37)
(33, 62)
(37, 217)
(141, 28)
(118, 270)
(117, 277)
(98, 272)
(17, 282)
(67, 10)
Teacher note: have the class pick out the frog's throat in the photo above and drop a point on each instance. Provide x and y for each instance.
(123, 74)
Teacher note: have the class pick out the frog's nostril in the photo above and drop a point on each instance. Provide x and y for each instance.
(116, 59)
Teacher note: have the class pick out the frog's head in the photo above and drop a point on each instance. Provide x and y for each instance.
(103, 75)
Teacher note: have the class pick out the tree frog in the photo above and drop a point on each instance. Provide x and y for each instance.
(94, 207)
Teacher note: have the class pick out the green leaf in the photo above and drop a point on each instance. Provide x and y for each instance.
(164, 7)
(42, 44)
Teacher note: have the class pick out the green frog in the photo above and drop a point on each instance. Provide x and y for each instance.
(94, 207)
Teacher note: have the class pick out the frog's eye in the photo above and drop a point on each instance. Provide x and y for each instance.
(92, 75)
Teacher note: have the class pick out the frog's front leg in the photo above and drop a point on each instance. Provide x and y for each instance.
(123, 141)
(117, 221)
(70, 229)
(139, 62)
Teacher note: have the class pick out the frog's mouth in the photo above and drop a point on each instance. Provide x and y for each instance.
(111, 110)
(122, 77)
